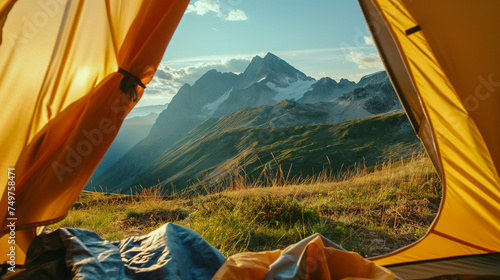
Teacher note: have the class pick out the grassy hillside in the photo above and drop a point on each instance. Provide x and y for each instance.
(219, 149)
(370, 211)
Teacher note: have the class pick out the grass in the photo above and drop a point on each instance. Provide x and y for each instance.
(371, 211)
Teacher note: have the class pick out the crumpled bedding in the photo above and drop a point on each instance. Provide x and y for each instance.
(175, 252)
(170, 252)
(314, 257)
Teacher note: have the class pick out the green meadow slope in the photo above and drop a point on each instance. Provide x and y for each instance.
(246, 144)
(371, 211)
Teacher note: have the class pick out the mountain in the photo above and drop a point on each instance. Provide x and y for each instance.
(375, 98)
(327, 89)
(271, 69)
(217, 148)
(265, 81)
(146, 110)
(374, 78)
(135, 127)
(131, 132)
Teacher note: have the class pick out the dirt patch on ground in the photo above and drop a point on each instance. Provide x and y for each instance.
(381, 246)
(416, 212)
(385, 228)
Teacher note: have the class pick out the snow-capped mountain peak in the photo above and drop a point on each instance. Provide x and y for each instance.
(271, 69)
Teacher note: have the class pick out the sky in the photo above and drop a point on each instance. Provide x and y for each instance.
(322, 38)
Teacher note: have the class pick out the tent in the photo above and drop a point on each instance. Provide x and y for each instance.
(72, 70)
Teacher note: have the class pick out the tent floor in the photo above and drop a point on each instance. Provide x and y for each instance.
(486, 266)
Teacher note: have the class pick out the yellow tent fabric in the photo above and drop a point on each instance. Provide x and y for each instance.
(442, 57)
(63, 98)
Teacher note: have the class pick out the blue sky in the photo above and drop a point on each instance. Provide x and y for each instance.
(320, 38)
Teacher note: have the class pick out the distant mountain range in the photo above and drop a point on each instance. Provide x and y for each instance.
(279, 95)
(146, 110)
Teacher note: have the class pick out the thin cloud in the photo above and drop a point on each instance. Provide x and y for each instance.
(167, 80)
(202, 7)
(164, 75)
(365, 61)
(369, 41)
(210, 59)
(236, 15)
(346, 50)
(306, 53)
